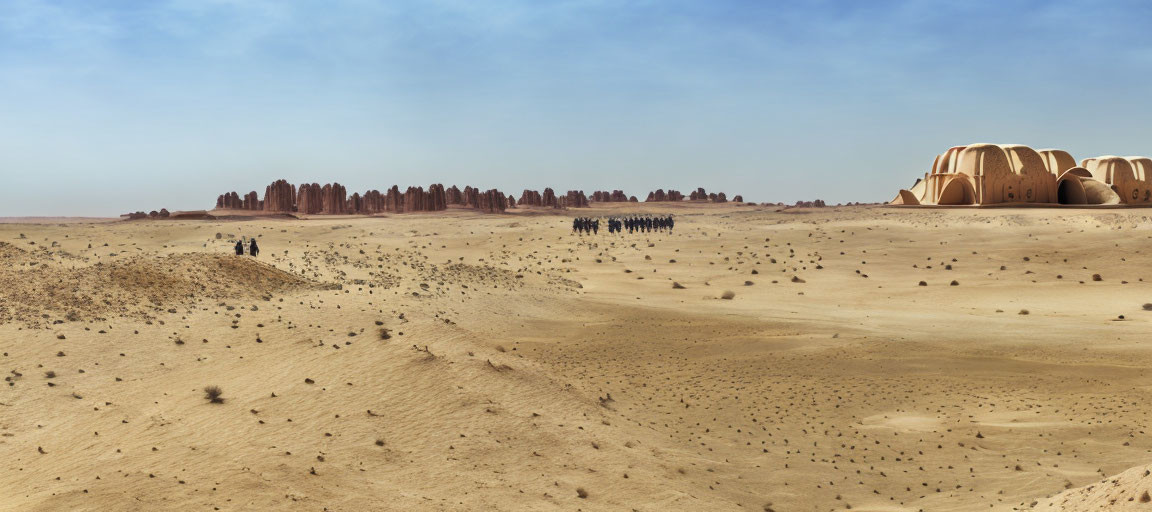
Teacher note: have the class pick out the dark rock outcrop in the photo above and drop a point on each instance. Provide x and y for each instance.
(309, 199)
(574, 199)
(333, 199)
(548, 199)
(603, 196)
(660, 196)
(819, 203)
(530, 198)
(280, 197)
(454, 196)
(233, 201)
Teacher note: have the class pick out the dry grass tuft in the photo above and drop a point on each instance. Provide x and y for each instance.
(213, 394)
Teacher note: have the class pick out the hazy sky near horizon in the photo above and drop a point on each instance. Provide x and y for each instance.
(114, 106)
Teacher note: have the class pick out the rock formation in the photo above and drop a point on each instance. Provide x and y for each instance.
(372, 202)
(530, 198)
(233, 201)
(229, 201)
(603, 196)
(574, 199)
(819, 203)
(548, 199)
(280, 197)
(309, 199)
(438, 198)
(333, 199)
(738, 198)
(660, 196)
(252, 201)
(355, 203)
(491, 201)
(698, 195)
(454, 196)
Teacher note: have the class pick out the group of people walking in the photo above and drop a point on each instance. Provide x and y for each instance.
(633, 224)
(586, 225)
(253, 249)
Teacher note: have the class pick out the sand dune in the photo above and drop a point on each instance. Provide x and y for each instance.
(459, 361)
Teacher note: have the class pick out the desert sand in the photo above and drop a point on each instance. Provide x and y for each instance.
(872, 358)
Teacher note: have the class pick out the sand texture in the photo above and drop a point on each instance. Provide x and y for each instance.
(872, 358)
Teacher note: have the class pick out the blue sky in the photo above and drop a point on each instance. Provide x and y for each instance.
(111, 106)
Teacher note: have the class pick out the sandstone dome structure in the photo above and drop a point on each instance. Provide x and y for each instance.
(1017, 175)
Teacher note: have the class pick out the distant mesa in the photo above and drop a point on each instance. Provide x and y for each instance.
(1016, 175)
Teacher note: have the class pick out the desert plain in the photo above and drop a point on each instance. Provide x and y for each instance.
(867, 358)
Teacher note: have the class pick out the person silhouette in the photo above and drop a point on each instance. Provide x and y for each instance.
(239, 247)
(253, 249)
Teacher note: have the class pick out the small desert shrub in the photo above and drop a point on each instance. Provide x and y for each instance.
(678, 286)
(1023, 312)
(49, 374)
(923, 283)
(1096, 277)
(213, 394)
(385, 334)
(728, 295)
(581, 492)
(1148, 306)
